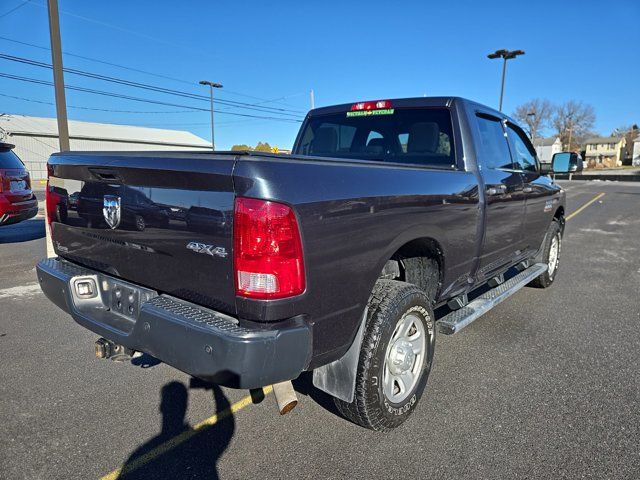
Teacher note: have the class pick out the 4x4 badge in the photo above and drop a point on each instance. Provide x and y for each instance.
(111, 210)
(207, 249)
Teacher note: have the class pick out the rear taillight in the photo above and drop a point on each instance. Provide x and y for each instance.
(377, 105)
(49, 204)
(267, 250)
(51, 199)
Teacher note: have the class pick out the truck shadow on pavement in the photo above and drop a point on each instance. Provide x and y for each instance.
(179, 450)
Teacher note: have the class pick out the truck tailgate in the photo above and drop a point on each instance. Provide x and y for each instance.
(162, 220)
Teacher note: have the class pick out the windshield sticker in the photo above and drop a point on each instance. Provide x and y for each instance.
(366, 113)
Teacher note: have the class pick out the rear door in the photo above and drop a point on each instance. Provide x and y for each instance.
(505, 203)
(539, 191)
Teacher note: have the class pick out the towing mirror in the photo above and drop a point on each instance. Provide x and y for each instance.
(566, 162)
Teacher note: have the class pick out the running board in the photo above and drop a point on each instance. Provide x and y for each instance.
(458, 319)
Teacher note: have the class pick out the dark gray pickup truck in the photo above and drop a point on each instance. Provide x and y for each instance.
(247, 269)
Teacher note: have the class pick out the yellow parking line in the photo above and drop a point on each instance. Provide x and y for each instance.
(597, 197)
(183, 437)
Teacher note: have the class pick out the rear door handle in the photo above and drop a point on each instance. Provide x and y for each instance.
(496, 190)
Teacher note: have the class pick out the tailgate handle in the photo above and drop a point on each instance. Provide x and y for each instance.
(108, 175)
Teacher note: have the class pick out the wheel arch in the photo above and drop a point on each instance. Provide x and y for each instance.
(411, 259)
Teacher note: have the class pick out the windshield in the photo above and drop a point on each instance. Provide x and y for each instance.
(418, 136)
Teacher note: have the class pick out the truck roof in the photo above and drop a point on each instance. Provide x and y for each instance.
(403, 103)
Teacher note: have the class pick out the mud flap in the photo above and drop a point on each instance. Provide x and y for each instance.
(338, 378)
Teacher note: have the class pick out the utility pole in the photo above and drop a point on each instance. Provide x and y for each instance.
(211, 85)
(505, 55)
(58, 76)
(312, 100)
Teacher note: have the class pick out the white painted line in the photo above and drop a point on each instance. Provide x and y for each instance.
(21, 291)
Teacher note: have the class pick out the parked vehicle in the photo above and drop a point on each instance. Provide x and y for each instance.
(138, 210)
(331, 259)
(17, 201)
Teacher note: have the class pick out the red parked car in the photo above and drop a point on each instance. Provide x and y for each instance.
(17, 201)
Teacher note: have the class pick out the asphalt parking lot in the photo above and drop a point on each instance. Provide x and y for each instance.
(547, 385)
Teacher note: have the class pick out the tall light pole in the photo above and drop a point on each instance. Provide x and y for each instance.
(506, 55)
(211, 85)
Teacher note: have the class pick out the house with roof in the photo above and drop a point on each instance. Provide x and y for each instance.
(605, 151)
(546, 147)
(635, 159)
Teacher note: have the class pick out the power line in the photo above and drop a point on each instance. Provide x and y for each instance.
(116, 27)
(9, 12)
(138, 99)
(157, 75)
(95, 60)
(32, 100)
(144, 86)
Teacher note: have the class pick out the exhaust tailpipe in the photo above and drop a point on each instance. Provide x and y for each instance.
(285, 396)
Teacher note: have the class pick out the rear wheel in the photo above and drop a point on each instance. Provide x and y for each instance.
(550, 255)
(395, 357)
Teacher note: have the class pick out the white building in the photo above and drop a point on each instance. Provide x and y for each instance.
(546, 147)
(36, 139)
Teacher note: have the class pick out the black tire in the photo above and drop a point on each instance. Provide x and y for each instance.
(546, 279)
(390, 301)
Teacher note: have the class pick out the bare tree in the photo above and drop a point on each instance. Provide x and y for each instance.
(573, 121)
(536, 115)
(630, 132)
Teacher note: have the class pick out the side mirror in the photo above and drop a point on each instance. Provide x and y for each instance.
(566, 162)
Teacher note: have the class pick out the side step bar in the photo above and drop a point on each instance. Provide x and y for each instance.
(457, 320)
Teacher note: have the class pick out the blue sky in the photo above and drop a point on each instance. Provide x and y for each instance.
(344, 51)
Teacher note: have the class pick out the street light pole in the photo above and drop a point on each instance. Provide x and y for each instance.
(505, 55)
(211, 86)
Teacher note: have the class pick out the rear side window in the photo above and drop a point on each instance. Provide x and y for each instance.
(10, 161)
(524, 155)
(417, 136)
(494, 150)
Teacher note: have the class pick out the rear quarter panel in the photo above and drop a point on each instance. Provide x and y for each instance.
(353, 217)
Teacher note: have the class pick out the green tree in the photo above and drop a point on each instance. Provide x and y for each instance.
(263, 147)
(242, 146)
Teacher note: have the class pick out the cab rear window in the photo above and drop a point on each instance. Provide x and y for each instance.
(10, 161)
(417, 136)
